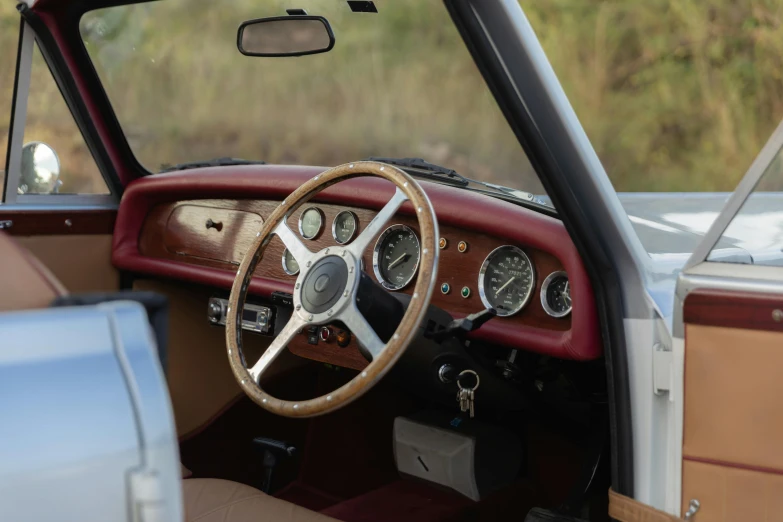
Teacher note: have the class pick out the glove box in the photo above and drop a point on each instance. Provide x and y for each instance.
(465, 455)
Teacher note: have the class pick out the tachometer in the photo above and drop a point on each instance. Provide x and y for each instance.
(556, 294)
(396, 257)
(506, 280)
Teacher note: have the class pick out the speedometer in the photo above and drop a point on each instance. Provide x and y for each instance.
(506, 280)
(396, 257)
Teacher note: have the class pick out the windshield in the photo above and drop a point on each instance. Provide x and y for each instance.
(398, 83)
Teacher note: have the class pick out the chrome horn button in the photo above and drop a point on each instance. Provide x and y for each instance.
(326, 286)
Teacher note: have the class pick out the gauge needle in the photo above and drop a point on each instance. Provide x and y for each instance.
(566, 295)
(398, 260)
(504, 286)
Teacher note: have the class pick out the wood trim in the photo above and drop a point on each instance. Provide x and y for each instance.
(725, 464)
(59, 222)
(167, 225)
(161, 229)
(751, 311)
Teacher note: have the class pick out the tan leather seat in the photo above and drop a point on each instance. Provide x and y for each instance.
(25, 283)
(214, 500)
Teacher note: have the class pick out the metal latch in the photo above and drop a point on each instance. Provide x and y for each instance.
(6, 224)
(148, 502)
(693, 508)
(662, 369)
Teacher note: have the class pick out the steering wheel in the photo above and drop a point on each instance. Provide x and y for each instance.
(326, 290)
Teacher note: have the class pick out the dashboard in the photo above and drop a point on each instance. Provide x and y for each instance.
(197, 225)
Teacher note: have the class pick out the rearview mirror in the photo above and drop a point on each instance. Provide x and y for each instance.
(285, 36)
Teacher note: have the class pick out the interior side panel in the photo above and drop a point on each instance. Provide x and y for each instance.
(200, 380)
(81, 262)
(733, 396)
(732, 494)
(732, 427)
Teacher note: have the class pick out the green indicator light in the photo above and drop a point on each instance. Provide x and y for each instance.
(465, 292)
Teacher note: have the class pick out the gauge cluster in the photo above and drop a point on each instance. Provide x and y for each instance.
(507, 279)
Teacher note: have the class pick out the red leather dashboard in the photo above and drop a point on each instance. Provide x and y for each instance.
(456, 209)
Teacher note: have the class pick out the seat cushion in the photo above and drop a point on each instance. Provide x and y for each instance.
(215, 500)
(25, 283)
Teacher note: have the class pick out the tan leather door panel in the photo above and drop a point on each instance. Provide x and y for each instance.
(75, 245)
(82, 263)
(733, 413)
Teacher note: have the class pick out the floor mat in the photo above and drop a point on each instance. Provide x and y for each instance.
(400, 501)
(350, 451)
(306, 496)
(225, 449)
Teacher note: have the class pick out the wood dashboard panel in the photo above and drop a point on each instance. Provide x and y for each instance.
(178, 231)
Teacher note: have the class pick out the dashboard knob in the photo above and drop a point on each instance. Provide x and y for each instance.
(214, 312)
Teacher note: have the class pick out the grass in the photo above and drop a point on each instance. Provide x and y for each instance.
(675, 95)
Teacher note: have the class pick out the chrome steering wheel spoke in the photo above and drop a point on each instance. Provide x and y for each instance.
(362, 331)
(360, 244)
(301, 253)
(295, 324)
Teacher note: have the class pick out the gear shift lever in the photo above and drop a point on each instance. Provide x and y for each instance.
(273, 451)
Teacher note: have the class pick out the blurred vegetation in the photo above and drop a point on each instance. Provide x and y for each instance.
(675, 95)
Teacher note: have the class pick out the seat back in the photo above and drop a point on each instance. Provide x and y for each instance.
(87, 430)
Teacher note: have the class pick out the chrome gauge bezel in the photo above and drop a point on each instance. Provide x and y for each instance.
(355, 228)
(285, 266)
(545, 288)
(483, 271)
(320, 226)
(376, 257)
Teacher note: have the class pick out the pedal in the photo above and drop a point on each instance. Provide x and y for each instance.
(544, 515)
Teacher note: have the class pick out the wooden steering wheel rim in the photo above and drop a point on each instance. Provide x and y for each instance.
(406, 330)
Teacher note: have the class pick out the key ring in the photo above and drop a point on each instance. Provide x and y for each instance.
(466, 372)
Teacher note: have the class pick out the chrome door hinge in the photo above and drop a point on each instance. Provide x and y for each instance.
(6, 224)
(147, 500)
(662, 369)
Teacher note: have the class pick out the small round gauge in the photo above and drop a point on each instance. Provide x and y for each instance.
(506, 280)
(344, 226)
(311, 222)
(396, 257)
(290, 265)
(556, 294)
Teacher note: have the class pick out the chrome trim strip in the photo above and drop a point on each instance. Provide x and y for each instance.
(16, 142)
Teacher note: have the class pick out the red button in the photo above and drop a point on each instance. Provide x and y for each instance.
(325, 333)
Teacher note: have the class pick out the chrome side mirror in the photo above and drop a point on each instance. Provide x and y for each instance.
(40, 169)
